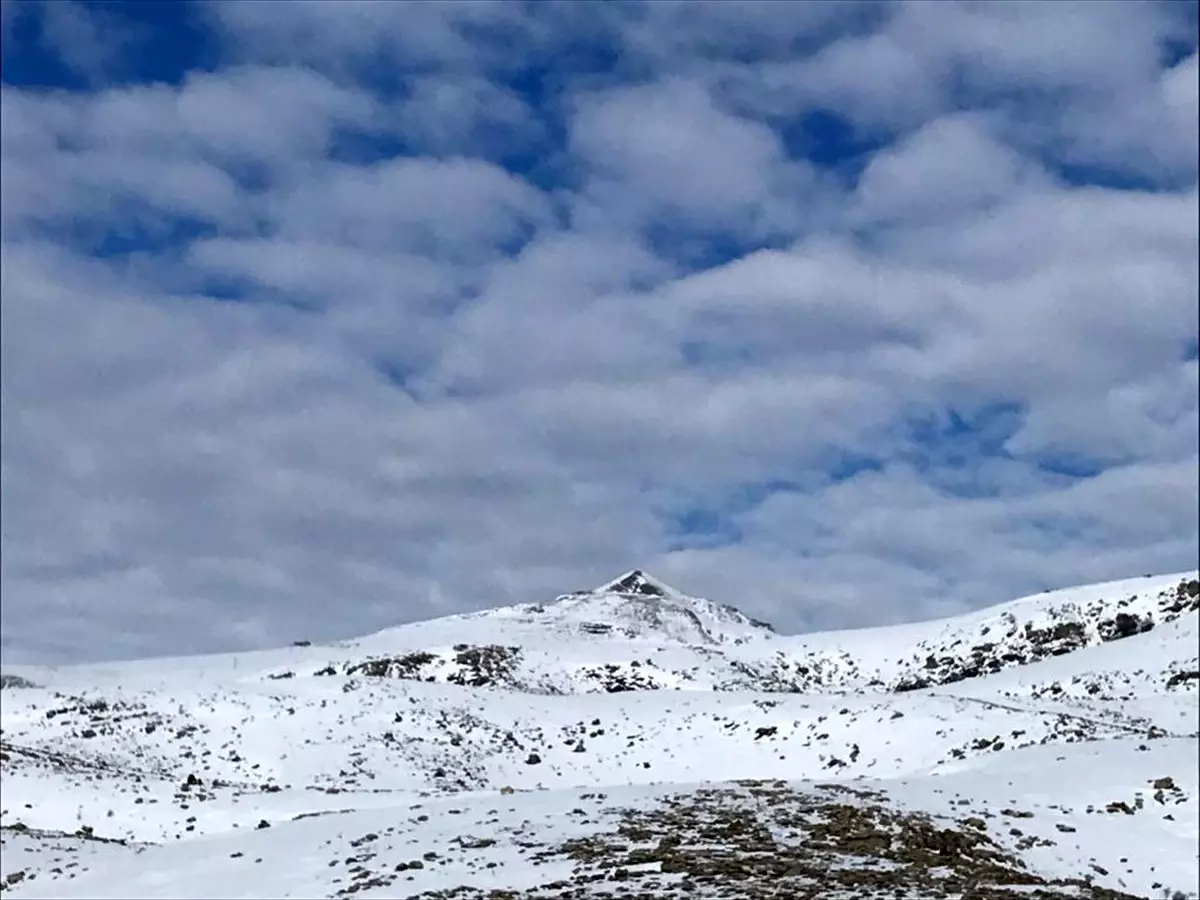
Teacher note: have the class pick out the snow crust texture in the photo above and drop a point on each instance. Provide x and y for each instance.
(629, 742)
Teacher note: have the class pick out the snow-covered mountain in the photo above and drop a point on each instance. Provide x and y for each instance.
(628, 741)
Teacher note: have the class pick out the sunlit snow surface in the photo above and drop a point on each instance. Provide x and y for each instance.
(472, 751)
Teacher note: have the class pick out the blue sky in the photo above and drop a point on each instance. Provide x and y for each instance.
(844, 313)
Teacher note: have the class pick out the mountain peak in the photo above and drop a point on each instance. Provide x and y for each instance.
(638, 605)
(637, 582)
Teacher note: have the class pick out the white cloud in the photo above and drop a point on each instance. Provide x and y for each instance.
(1181, 91)
(676, 33)
(874, 80)
(87, 39)
(1151, 133)
(838, 557)
(949, 168)
(446, 385)
(467, 113)
(177, 151)
(560, 312)
(314, 33)
(666, 151)
(1012, 46)
(455, 208)
(1154, 418)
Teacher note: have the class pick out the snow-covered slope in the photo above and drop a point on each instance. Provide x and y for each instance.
(562, 741)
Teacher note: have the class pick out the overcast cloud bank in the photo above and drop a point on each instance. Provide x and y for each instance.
(844, 313)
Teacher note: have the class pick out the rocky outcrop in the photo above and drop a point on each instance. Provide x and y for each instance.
(467, 666)
(1069, 628)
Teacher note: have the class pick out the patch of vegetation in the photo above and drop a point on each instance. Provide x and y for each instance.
(1124, 625)
(1057, 639)
(407, 666)
(1185, 598)
(762, 840)
(486, 666)
(612, 678)
(1181, 678)
(16, 682)
(489, 665)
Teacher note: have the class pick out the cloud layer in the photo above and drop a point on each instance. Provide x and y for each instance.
(844, 313)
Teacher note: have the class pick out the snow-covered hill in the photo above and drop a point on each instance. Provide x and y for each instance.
(623, 740)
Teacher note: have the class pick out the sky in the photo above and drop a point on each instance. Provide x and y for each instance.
(326, 317)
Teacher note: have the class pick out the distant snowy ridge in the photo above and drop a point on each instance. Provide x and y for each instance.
(637, 606)
(638, 633)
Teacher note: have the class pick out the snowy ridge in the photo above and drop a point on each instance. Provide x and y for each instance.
(636, 633)
(634, 607)
(1011, 749)
(639, 634)
(638, 606)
